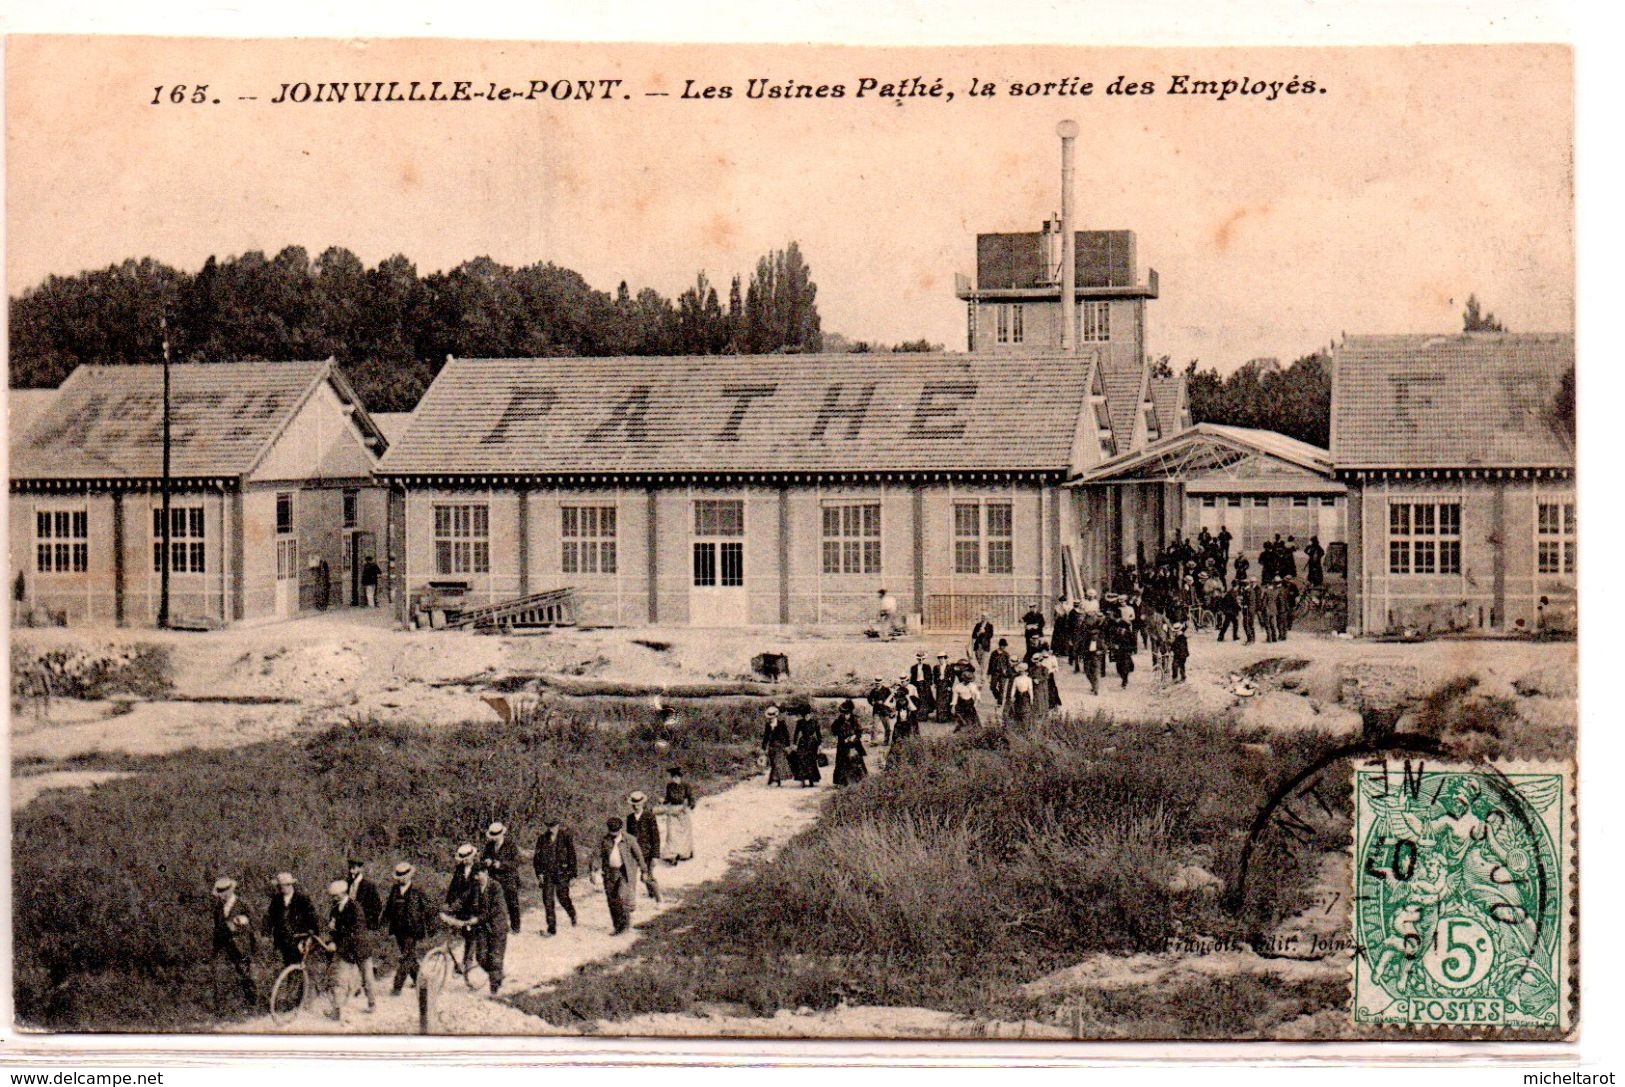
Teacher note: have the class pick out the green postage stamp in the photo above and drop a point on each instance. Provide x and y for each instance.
(1463, 882)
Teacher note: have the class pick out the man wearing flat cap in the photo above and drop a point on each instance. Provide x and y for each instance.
(491, 913)
(619, 864)
(234, 936)
(407, 917)
(501, 855)
(555, 865)
(289, 917)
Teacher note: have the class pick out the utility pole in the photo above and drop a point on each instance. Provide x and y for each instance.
(164, 528)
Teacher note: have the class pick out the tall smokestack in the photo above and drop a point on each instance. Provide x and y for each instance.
(1068, 131)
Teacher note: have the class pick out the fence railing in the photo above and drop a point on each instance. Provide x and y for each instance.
(955, 611)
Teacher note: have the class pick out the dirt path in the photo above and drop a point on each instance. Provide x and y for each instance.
(747, 822)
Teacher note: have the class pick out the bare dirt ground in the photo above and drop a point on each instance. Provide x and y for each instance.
(314, 672)
(305, 675)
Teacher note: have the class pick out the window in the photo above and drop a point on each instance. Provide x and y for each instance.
(61, 541)
(852, 538)
(352, 500)
(725, 517)
(186, 550)
(1424, 537)
(1261, 501)
(1328, 500)
(1210, 501)
(1094, 322)
(1233, 501)
(1300, 501)
(588, 537)
(983, 538)
(462, 539)
(1153, 430)
(284, 514)
(1103, 426)
(1555, 538)
(1011, 324)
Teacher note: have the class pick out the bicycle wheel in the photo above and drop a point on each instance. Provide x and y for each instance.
(288, 994)
(435, 970)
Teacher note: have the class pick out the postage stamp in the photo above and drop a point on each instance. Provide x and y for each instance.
(1462, 896)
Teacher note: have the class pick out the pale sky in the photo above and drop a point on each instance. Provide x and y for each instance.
(1276, 226)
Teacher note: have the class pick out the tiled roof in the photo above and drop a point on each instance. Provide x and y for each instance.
(23, 406)
(764, 413)
(1167, 395)
(106, 422)
(1460, 401)
(1122, 383)
(391, 423)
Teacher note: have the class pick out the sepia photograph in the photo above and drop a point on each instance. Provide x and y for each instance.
(1016, 543)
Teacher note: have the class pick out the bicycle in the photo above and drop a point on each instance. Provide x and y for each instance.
(450, 956)
(300, 982)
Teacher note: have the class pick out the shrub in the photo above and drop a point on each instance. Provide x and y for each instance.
(77, 672)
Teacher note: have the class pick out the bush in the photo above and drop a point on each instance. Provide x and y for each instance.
(76, 672)
(110, 888)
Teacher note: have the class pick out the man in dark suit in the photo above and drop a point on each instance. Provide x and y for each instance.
(408, 917)
(347, 938)
(619, 863)
(555, 864)
(642, 825)
(924, 678)
(501, 856)
(981, 642)
(234, 936)
(371, 904)
(460, 893)
(289, 917)
(365, 894)
(491, 913)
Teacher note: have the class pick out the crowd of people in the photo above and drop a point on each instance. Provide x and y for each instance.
(480, 903)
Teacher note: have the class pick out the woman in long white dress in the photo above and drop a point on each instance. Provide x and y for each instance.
(677, 833)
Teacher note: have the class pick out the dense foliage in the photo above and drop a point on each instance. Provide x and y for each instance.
(1295, 400)
(389, 326)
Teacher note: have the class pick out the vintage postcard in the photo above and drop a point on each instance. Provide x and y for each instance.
(1038, 543)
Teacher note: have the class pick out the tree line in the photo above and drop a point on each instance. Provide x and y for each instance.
(388, 326)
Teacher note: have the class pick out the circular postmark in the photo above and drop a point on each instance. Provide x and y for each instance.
(1456, 873)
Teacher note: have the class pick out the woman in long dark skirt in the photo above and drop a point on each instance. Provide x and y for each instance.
(809, 737)
(1020, 696)
(1123, 650)
(776, 742)
(849, 765)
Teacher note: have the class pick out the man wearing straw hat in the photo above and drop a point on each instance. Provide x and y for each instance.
(501, 855)
(234, 936)
(289, 918)
(407, 917)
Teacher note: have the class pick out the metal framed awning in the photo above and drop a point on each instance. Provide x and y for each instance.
(1209, 455)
